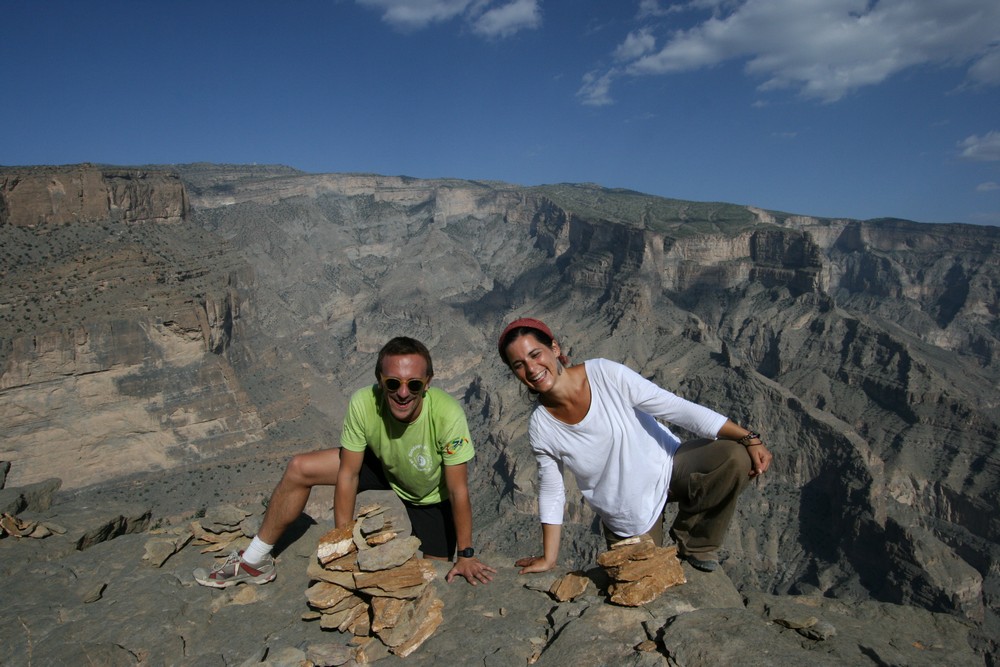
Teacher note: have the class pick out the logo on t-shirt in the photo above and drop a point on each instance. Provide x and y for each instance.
(419, 459)
(452, 447)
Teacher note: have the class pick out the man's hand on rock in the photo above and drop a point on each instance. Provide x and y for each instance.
(474, 571)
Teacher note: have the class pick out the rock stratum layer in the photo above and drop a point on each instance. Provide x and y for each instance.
(866, 352)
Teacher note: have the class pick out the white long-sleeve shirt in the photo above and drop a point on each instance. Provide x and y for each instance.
(621, 456)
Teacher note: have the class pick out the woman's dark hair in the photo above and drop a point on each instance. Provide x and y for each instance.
(403, 345)
(539, 335)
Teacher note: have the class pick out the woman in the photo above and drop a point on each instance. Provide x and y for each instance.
(599, 420)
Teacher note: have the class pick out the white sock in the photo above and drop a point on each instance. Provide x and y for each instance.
(257, 551)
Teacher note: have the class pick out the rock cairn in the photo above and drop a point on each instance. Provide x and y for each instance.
(370, 581)
(640, 571)
(16, 527)
(224, 529)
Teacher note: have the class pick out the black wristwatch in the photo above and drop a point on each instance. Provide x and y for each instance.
(467, 552)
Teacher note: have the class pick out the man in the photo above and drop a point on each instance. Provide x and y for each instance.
(400, 433)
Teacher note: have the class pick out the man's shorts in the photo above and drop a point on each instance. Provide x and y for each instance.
(433, 525)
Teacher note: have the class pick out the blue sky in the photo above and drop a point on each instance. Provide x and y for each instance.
(839, 108)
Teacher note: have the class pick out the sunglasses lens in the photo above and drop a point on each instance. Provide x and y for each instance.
(393, 384)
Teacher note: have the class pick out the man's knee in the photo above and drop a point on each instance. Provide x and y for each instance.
(295, 471)
(313, 468)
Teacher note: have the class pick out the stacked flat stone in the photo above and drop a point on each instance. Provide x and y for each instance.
(223, 529)
(15, 527)
(640, 571)
(570, 586)
(370, 582)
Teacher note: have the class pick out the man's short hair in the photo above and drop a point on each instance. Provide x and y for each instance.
(402, 345)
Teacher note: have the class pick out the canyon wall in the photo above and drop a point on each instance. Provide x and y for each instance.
(115, 323)
(864, 351)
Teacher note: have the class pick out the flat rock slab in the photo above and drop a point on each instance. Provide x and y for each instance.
(107, 604)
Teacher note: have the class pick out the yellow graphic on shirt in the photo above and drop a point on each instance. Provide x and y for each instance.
(452, 447)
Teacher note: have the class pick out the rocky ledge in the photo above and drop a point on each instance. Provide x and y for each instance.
(103, 588)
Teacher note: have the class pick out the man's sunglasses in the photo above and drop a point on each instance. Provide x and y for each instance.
(413, 384)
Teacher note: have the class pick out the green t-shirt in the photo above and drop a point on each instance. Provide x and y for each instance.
(413, 454)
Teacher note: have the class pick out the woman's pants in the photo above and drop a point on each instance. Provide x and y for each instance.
(708, 478)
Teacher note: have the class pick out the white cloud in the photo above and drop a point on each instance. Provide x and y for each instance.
(826, 49)
(649, 8)
(989, 186)
(596, 89)
(416, 14)
(981, 149)
(490, 21)
(636, 45)
(508, 19)
(986, 70)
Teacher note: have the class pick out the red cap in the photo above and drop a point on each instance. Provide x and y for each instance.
(522, 322)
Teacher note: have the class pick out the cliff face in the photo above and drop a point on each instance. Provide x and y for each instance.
(115, 321)
(97, 403)
(864, 351)
(62, 195)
